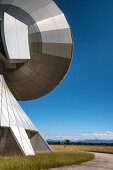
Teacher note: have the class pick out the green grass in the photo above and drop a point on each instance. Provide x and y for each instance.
(43, 160)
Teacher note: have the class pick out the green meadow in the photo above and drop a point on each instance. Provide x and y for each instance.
(44, 160)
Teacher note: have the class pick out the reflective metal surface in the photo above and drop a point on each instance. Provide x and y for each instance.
(35, 54)
(50, 43)
(11, 112)
(15, 39)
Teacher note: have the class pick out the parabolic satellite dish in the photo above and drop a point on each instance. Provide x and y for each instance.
(35, 53)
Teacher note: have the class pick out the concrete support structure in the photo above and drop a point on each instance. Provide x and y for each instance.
(17, 132)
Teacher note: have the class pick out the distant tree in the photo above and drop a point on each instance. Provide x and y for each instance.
(67, 142)
(59, 142)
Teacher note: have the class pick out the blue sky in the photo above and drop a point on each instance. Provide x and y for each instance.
(83, 102)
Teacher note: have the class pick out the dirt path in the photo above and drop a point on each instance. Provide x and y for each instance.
(101, 162)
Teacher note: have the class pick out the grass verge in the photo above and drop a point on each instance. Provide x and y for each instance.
(43, 160)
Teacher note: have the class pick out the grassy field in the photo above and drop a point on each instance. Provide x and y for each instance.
(44, 160)
(62, 155)
(89, 148)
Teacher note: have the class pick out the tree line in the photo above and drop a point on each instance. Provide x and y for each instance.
(68, 142)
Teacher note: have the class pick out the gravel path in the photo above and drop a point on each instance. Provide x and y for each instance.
(101, 162)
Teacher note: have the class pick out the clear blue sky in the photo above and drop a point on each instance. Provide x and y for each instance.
(83, 102)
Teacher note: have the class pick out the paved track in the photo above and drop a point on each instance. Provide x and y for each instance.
(101, 162)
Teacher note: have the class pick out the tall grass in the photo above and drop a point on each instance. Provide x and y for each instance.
(88, 148)
(43, 160)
